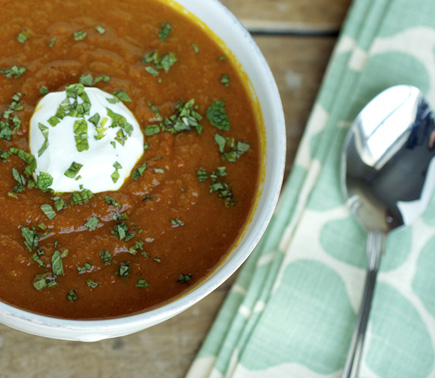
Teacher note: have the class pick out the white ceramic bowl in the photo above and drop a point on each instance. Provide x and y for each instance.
(225, 25)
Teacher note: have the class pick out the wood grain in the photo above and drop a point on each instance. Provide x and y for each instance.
(297, 16)
(298, 65)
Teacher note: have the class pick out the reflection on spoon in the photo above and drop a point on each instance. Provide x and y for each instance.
(388, 177)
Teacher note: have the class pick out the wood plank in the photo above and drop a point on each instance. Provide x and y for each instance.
(298, 65)
(298, 16)
(168, 349)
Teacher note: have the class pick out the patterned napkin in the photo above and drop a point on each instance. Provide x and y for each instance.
(292, 310)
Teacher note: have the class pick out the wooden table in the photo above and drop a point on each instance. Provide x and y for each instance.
(296, 37)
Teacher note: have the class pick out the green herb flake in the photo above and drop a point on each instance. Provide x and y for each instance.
(48, 211)
(86, 80)
(167, 62)
(13, 195)
(92, 283)
(37, 260)
(56, 263)
(81, 197)
(222, 57)
(53, 121)
(184, 119)
(94, 119)
(113, 100)
(177, 222)
(52, 42)
(221, 142)
(221, 188)
(85, 268)
(202, 175)
(121, 122)
(72, 296)
(138, 246)
(195, 48)
(115, 175)
(44, 181)
(100, 29)
(7, 117)
(81, 135)
(124, 269)
(39, 283)
(152, 130)
(155, 110)
(225, 80)
(59, 203)
(122, 95)
(103, 78)
(142, 284)
(15, 71)
(26, 157)
(30, 237)
(165, 30)
(121, 231)
(106, 257)
(20, 179)
(139, 171)
(44, 131)
(79, 35)
(23, 36)
(92, 223)
(150, 70)
(73, 170)
(184, 278)
(217, 116)
(42, 226)
(236, 152)
(158, 170)
(111, 201)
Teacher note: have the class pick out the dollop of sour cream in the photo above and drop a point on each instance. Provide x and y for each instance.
(84, 138)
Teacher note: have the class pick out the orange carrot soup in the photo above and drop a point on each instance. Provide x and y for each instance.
(130, 155)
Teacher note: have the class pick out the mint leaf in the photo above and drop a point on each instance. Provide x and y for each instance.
(73, 170)
(92, 223)
(165, 30)
(56, 263)
(217, 116)
(48, 211)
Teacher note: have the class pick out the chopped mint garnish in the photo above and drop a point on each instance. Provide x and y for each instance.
(48, 211)
(79, 35)
(139, 171)
(165, 30)
(92, 223)
(14, 71)
(81, 197)
(73, 170)
(100, 29)
(23, 36)
(217, 115)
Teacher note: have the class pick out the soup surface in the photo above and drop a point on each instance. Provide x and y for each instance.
(189, 196)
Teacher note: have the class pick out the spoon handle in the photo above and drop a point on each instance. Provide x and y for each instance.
(375, 248)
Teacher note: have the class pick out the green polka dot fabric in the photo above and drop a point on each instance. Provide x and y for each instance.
(292, 309)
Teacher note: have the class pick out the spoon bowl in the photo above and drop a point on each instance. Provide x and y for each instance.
(388, 177)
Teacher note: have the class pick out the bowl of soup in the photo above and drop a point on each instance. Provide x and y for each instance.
(143, 150)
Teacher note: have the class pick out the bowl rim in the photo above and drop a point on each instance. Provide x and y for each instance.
(99, 329)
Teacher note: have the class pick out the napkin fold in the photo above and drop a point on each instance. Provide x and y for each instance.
(292, 310)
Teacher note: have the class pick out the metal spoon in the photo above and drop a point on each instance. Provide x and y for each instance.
(388, 177)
